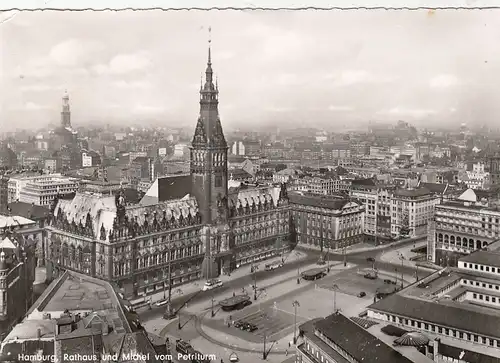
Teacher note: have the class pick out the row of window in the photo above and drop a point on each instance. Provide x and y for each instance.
(445, 331)
(474, 266)
(486, 298)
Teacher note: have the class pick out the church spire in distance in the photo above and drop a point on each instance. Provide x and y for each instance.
(65, 113)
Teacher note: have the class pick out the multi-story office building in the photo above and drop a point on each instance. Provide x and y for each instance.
(462, 226)
(459, 306)
(323, 185)
(17, 273)
(18, 183)
(42, 190)
(326, 222)
(196, 225)
(411, 209)
(377, 202)
(4, 192)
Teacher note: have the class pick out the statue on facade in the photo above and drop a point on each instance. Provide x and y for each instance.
(221, 209)
(120, 206)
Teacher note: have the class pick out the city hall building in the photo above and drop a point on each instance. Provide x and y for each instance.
(200, 224)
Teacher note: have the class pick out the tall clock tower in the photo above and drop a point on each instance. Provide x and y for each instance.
(209, 153)
(209, 174)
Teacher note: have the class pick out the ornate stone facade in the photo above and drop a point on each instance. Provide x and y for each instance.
(213, 229)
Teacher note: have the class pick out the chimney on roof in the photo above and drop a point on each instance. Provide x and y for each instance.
(38, 333)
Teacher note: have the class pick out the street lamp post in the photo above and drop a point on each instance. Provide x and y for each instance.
(264, 355)
(296, 305)
(179, 326)
(416, 273)
(335, 288)
(298, 275)
(255, 268)
(345, 254)
(402, 265)
(213, 312)
(169, 303)
(328, 258)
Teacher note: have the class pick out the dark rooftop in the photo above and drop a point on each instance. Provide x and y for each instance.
(318, 201)
(234, 300)
(412, 193)
(364, 182)
(443, 314)
(489, 258)
(173, 187)
(356, 341)
(470, 357)
(27, 210)
(435, 188)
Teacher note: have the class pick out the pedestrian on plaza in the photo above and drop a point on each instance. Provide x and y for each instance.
(289, 345)
(234, 294)
(286, 352)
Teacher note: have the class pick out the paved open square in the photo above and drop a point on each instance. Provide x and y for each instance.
(272, 322)
(352, 282)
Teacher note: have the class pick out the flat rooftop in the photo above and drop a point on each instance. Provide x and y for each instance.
(76, 293)
(79, 293)
(433, 300)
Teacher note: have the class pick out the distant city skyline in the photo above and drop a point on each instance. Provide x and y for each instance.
(326, 69)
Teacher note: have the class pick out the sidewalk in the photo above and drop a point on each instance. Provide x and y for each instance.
(192, 287)
(363, 247)
(394, 256)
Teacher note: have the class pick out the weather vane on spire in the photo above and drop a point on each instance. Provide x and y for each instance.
(209, 34)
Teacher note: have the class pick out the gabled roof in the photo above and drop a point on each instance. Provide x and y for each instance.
(435, 188)
(7, 244)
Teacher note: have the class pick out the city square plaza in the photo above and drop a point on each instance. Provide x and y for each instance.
(281, 306)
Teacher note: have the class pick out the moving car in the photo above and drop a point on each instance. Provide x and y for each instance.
(273, 266)
(370, 259)
(212, 284)
(162, 302)
(370, 276)
(362, 294)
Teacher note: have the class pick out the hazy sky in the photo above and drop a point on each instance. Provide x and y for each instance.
(337, 68)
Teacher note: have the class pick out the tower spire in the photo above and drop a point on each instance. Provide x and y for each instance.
(209, 45)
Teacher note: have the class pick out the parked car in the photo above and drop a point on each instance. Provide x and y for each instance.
(370, 276)
(239, 324)
(250, 327)
(389, 281)
(212, 284)
(370, 259)
(362, 294)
